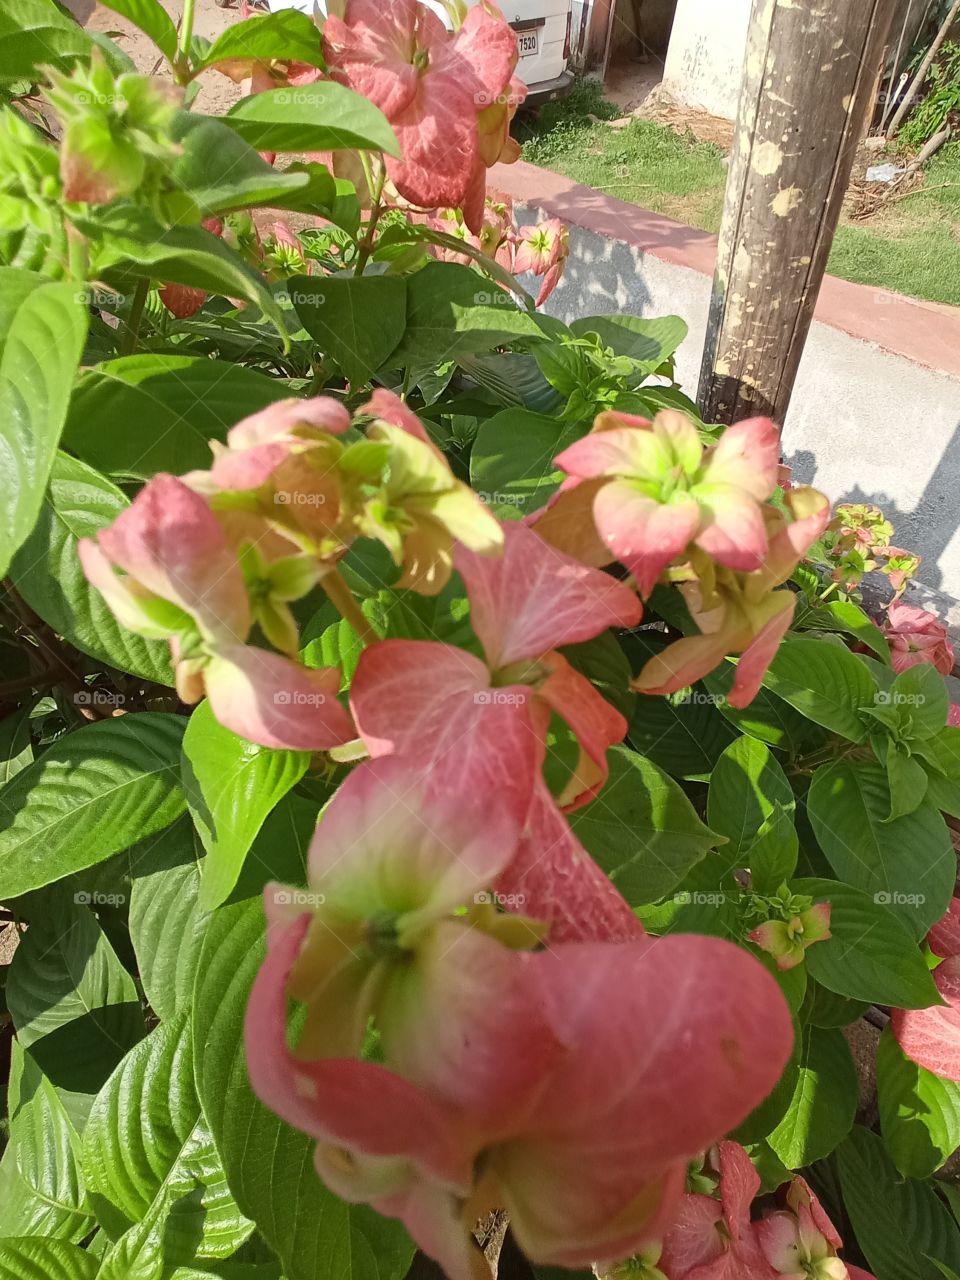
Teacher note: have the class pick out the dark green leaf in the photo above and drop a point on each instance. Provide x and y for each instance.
(647, 340)
(919, 1112)
(641, 829)
(355, 319)
(147, 413)
(824, 681)
(846, 617)
(231, 785)
(908, 865)
(746, 785)
(870, 955)
(824, 1102)
(42, 331)
(37, 33)
(286, 36)
(222, 172)
(511, 463)
(93, 793)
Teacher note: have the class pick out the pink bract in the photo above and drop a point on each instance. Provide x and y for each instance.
(917, 636)
(931, 1037)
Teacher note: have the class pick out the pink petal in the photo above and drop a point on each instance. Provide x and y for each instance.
(567, 522)
(630, 450)
(278, 703)
(371, 51)
(535, 598)
(169, 541)
(748, 456)
(761, 651)
(434, 703)
(388, 407)
(552, 877)
(693, 1238)
(123, 595)
(801, 1193)
(355, 1104)
(780, 1241)
(681, 664)
(739, 1184)
(394, 829)
(661, 1064)
(735, 534)
(260, 443)
(944, 938)
(488, 47)
(642, 533)
(598, 727)
(437, 135)
(931, 1037)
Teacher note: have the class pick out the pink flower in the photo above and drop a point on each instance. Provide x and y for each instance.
(944, 938)
(430, 85)
(741, 612)
(572, 1098)
(931, 1037)
(787, 940)
(543, 249)
(166, 570)
(663, 491)
(715, 1239)
(917, 636)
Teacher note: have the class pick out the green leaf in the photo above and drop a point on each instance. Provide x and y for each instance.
(604, 663)
(648, 341)
(231, 785)
(152, 19)
(286, 36)
(846, 617)
(166, 923)
(511, 462)
(825, 1008)
(91, 794)
(870, 956)
(42, 332)
(269, 1165)
(772, 855)
(746, 785)
(222, 172)
(824, 681)
(46, 571)
(42, 1190)
(34, 34)
(146, 1139)
(900, 1224)
(453, 311)
(824, 1102)
(312, 117)
(767, 718)
(134, 246)
(641, 829)
(357, 320)
(919, 1112)
(16, 748)
(907, 864)
(920, 693)
(147, 413)
(73, 1004)
(26, 1258)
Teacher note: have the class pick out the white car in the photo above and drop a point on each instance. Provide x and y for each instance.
(543, 30)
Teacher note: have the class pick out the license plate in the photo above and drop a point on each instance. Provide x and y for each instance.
(528, 43)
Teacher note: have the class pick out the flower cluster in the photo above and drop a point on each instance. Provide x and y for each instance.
(450, 97)
(915, 637)
(650, 495)
(541, 250)
(201, 560)
(715, 1237)
(858, 541)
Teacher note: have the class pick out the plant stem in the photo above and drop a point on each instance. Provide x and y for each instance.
(131, 334)
(345, 602)
(366, 244)
(186, 26)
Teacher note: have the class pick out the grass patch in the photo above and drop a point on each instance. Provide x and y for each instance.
(913, 247)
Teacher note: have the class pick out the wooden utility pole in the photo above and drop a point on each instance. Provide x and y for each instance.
(810, 74)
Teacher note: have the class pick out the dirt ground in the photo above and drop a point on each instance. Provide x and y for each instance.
(217, 93)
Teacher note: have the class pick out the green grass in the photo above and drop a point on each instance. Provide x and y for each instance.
(913, 247)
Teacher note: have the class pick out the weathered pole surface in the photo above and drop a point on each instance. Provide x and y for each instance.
(809, 77)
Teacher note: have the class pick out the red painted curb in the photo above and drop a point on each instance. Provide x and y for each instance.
(926, 333)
